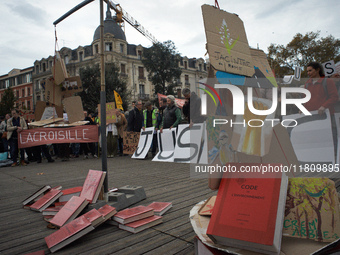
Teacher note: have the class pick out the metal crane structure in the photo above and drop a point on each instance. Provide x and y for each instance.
(122, 16)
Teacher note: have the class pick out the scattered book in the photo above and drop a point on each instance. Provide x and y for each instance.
(69, 211)
(133, 214)
(45, 201)
(92, 185)
(312, 210)
(41, 191)
(140, 225)
(107, 211)
(68, 233)
(59, 187)
(160, 208)
(51, 211)
(68, 193)
(207, 207)
(95, 217)
(249, 212)
(60, 204)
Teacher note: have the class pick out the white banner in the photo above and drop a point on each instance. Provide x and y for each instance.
(145, 141)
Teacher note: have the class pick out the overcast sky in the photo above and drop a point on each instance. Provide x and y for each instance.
(27, 31)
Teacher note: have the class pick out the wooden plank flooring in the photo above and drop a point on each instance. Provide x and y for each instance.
(23, 231)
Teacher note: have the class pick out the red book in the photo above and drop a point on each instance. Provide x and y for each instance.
(133, 214)
(95, 217)
(160, 207)
(92, 185)
(46, 200)
(107, 211)
(249, 213)
(36, 194)
(51, 211)
(68, 233)
(48, 218)
(68, 193)
(60, 204)
(69, 211)
(140, 225)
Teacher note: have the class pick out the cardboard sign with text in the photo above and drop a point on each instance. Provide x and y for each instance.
(312, 210)
(130, 141)
(111, 116)
(227, 42)
(40, 109)
(74, 109)
(59, 70)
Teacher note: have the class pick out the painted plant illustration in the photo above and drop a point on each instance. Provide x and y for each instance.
(226, 38)
(312, 209)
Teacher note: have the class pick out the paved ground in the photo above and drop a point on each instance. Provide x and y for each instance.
(23, 231)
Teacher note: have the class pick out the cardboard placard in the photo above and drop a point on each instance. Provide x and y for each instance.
(40, 109)
(130, 141)
(74, 109)
(59, 70)
(70, 86)
(52, 92)
(111, 116)
(227, 42)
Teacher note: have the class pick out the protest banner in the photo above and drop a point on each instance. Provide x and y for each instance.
(144, 143)
(130, 141)
(111, 116)
(40, 136)
(119, 101)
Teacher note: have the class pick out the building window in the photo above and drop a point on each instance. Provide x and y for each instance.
(108, 46)
(44, 67)
(200, 67)
(51, 63)
(122, 48)
(80, 56)
(28, 91)
(122, 68)
(7, 84)
(37, 85)
(23, 93)
(96, 49)
(185, 65)
(17, 93)
(28, 105)
(141, 89)
(139, 53)
(66, 59)
(141, 72)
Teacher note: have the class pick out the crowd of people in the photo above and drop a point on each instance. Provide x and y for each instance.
(167, 115)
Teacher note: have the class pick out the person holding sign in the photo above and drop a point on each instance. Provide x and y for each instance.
(171, 115)
(150, 115)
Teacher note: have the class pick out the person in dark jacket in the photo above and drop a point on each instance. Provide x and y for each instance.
(192, 108)
(135, 119)
(172, 114)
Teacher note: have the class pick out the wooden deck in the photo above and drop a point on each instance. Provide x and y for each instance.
(23, 231)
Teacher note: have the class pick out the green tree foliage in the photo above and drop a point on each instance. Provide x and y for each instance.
(90, 77)
(161, 61)
(7, 102)
(302, 50)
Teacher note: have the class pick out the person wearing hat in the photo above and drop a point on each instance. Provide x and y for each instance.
(150, 115)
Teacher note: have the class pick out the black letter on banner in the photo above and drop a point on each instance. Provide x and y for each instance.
(147, 133)
(161, 147)
(188, 145)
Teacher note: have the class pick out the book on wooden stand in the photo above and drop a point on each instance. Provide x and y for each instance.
(69, 211)
(45, 201)
(249, 212)
(133, 214)
(160, 208)
(68, 193)
(30, 199)
(140, 225)
(68, 233)
(92, 185)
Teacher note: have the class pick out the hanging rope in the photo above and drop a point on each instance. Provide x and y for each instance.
(217, 5)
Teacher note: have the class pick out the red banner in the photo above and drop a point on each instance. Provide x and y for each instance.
(179, 102)
(40, 136)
